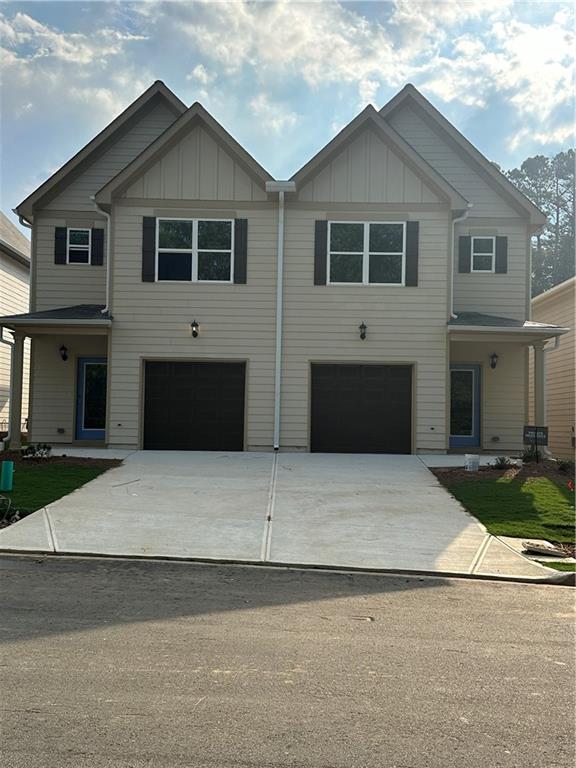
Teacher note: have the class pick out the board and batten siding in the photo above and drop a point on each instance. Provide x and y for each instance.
(404, 325)
(14, 299)
(152, 321)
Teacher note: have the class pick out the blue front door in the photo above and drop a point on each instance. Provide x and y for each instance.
(91, 398)
(464, 405)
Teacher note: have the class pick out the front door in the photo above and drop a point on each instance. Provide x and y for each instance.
(91, 398)
(464, 405)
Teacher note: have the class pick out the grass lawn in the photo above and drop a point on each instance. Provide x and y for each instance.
(559, 566)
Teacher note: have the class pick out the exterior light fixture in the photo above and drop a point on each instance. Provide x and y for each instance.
(63, 352)
(493, 360)
(195, 328)
(362, 328)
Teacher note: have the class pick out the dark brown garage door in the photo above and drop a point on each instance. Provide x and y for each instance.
(361, 408)
(194, 406)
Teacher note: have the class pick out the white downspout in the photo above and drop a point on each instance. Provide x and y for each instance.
(452, 265)
(11, 345)
(108, 259)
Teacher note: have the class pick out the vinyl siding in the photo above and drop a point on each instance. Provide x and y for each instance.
(503, 391)
(14, 299)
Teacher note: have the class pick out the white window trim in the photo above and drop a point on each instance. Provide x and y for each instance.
(366, 254)
(194, 251)
(493, 267)
(87, 248)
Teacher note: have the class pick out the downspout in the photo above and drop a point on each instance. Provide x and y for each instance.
(11, 345)
(281, 187)
(108, 259)
(454, 222)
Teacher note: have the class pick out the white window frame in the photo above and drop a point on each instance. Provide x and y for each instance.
(493, 254)
(366, 254)
(194, 251)
(87, 248)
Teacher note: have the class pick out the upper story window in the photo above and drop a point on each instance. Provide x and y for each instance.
(483, 254)
(367, 253)
(195, 250)
(78, 246)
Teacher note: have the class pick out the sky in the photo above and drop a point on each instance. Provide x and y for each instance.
(282, 77)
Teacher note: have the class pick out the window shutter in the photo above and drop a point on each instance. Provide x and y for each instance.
(501, 262)
(464, 253)
(148, 249)
(97, 249)
(412, 228)
(240, 250)
(60, 236)
(320, 252)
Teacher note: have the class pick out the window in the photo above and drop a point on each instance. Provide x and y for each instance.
(78, 245)
(483, 254)
(367, 253)
(194, 250)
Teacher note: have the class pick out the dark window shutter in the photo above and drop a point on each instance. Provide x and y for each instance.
(412, 228)
(240, 250)
(501, 264)
(464, 253)
(320, 252)
(60, 236)
(97, 255)
(148, 249)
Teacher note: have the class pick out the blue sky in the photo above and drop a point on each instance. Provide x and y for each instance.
(282, 77)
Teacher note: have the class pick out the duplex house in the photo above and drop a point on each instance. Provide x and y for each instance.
(377, 301)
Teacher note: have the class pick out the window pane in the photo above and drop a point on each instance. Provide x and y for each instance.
(78, 256)
(385, 269)
(345, 268)
(79, 237)
(175, 234)
(461, 403)
(387, 237)
(213, 266)
(215, 234)
(174, 266)
(483, 245)
(346, 237)
(482, 262)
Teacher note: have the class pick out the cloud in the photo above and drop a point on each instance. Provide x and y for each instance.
(274, 117)
(201, 75)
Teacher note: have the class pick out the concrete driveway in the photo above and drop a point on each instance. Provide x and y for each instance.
(357, 511)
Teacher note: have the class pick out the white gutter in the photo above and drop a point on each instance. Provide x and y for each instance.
(108, 259)
(547, 332)
(452, 265)
(281, 187)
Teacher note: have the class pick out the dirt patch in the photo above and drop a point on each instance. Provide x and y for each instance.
(527, 472)
(76, 461)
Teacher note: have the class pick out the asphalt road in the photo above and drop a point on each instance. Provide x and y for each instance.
(136, 664)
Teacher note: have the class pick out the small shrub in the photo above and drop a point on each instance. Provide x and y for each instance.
(566, 467)
(36, 451)
(502, 462)
(529, 455)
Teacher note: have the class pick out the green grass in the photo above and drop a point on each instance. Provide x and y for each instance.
(37, 485)
(536, 509)
(559, 566)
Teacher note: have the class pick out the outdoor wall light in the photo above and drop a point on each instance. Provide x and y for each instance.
(63, 352)
(493, 360)
(194, 326)
(362, 328)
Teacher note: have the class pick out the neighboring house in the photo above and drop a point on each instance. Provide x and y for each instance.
(557, 306)
(14, 298)
(376, 302)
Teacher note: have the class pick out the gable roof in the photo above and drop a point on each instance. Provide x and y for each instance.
(13, 243)
(411, 95)
(158, 92)
(369, 117)
(195, 115)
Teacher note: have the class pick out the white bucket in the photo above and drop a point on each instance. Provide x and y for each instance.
(471, 462)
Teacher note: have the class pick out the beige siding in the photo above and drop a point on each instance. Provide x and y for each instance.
(14, 299)
(152, 320)
(54, 385)
(503, 391)
(76, 196)
(405, 325)
(196, 168)
(494, 294)
(449, 163)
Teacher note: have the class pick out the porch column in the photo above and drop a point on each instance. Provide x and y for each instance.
(539, 385)
(17, 376)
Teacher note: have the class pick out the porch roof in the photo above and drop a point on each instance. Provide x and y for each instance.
(80, 314)
(506, 328)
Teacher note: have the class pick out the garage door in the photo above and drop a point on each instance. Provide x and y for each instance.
(194, 406)
(361, 408)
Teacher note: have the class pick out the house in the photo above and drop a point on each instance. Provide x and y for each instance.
(557, 306)
(14, 298)
(377, 301)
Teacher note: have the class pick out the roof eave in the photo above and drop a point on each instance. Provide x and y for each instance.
(15, 254)
(526, 330)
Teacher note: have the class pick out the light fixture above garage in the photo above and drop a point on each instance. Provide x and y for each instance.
(195, 328)
(362, 328)
(493, 360)
(63, 352)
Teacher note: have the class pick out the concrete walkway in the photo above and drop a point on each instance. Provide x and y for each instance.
(348, 511)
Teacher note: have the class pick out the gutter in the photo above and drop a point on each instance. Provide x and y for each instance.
(281, 187)
(108, 259)
(454, 222)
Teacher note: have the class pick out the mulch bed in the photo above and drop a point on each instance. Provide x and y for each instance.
(526, 472)
(75, 461)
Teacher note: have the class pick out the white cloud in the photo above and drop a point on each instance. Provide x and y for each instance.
(272, 116)
(201, 75)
